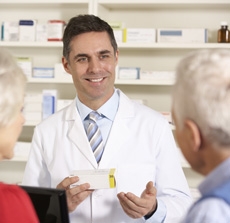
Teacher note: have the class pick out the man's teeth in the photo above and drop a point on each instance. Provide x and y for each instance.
(96, 80)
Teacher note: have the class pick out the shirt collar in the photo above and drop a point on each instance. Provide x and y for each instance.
(109, 109)
(214, 179)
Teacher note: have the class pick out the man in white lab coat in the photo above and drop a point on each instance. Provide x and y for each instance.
(137, 141)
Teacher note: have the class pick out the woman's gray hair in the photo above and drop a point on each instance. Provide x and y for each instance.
(12, 87)
(202, 93)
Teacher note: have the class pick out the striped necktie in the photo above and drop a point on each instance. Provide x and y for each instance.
(94, 135)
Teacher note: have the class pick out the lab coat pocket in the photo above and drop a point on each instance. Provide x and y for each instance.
(133, 178)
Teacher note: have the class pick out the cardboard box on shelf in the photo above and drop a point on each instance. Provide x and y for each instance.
(182, 35)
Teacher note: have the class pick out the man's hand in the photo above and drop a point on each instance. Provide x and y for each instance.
(76, 194)
(136, 207)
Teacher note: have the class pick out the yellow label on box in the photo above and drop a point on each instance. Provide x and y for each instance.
(112, 181)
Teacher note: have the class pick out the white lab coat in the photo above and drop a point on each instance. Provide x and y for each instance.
(140, 146)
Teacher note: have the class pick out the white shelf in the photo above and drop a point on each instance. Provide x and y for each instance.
(44, 2)
(21, 152)
(117, 81)
(50, 80)
(174, 46)
(147, 4)
(131, 46)
(32, 44)
(30, 123)
(17, 159)
(143, 82)
(168, 2)
(185, 165)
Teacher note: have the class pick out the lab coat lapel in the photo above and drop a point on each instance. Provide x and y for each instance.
(119, 132)
(117, 137)
(77, 135)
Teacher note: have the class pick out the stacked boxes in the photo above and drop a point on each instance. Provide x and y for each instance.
(31, 30)
(27, 30)
(55, 30)
(33, 108)
(10, 31)
(139, 35)
(49, 103)
(129, 73)
(182, 36)
(43, 72)
(26, 65)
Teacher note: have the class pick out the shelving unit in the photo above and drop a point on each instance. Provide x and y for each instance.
(43, 54)
(134, 14)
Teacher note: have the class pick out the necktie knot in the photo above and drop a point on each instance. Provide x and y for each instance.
(94, 116)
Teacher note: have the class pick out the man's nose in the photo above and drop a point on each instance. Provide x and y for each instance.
(94, 65)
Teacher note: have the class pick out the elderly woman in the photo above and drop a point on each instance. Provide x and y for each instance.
(15, 204)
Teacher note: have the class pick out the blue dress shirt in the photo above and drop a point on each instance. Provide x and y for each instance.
(212, 209)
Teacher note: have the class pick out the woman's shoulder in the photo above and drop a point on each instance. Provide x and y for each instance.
(11, 189)
(16, 205)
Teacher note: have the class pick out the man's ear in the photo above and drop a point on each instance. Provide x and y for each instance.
(194, 135)
(116, 57)
(65, 64)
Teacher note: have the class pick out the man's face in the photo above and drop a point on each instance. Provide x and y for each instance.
(92, 63)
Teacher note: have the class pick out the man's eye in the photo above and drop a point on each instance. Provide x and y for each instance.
(104, 56)
(82, 59)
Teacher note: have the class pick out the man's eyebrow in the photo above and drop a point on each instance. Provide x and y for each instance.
(104, 51)
(80, 55)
